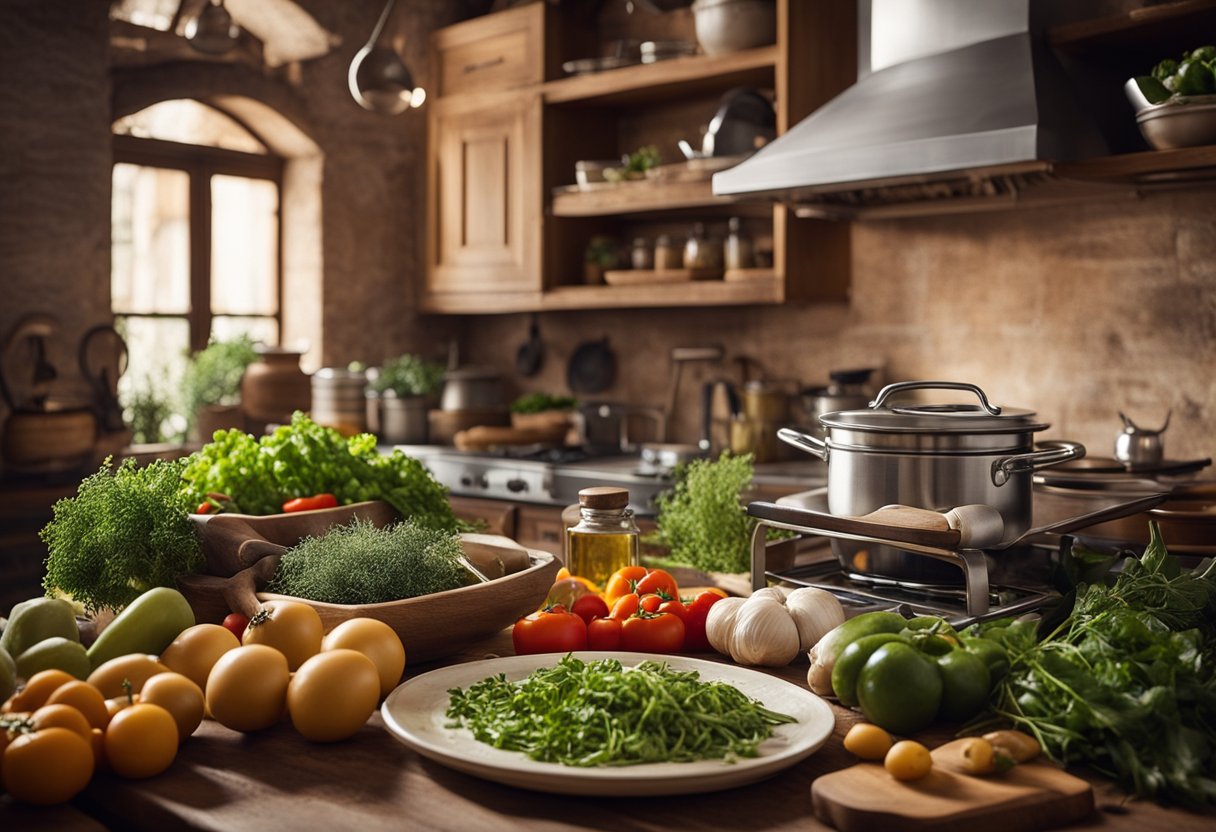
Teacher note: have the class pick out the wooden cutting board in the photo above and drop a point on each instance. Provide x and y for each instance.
(1030, 796)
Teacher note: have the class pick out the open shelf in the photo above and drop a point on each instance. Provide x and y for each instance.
(1185, 164)
(636, 198)
(1146, 31)
(674, 78)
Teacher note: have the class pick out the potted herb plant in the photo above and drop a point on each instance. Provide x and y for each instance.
(401, 394)
(602, 253)
(544, 413)
(211, 386)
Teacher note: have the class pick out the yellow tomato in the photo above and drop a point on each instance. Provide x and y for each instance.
(196, 650)
(38, 688)
(292, 628)
(99, 750)
(117, 703)
(332, 695)
(180, 697)
(377, 641)
(135, 668)
(869, 742)
(908, 760)
(62, 716)
(141, 741)
(49, 766)
(247, 688)
(85, 698)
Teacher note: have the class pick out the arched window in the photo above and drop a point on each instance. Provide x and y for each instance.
(196, 237)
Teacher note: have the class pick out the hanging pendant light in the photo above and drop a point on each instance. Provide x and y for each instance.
(212, 31)
(379, 79)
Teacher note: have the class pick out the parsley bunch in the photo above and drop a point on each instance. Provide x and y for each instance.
(124, 532)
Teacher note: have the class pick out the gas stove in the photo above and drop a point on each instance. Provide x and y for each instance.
(545, 476)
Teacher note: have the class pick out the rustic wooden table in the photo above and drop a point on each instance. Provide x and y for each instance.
(223, 780)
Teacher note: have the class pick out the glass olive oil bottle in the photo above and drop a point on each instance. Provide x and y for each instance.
(606, 538)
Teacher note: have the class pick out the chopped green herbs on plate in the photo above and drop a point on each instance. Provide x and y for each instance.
(600, 713)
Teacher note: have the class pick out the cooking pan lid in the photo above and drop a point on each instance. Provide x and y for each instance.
(982, 418)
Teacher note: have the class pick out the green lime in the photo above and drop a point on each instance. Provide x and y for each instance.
(850, 663)
(900, 688)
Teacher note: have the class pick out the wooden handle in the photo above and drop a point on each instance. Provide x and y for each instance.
(908, 517)
(255, 549)
(241, 589)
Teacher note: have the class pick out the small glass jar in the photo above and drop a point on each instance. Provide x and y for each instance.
(641, 255)
(738, 247)
(666, 254)
(605, 538)
(702, 251)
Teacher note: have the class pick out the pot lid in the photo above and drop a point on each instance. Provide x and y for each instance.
(980, 418)
(472, 374)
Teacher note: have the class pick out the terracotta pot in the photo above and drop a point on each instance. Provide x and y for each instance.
(49, 440)
(274, 387)
(213, 417)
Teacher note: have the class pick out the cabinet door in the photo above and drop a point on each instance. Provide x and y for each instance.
(485, 194)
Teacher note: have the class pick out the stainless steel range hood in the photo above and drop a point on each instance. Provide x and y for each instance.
(956, 99)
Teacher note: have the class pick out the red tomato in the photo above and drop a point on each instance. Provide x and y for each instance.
(552, 630)
(658, 633)
(695, 640)
(311, 503)
(658, 582)
(604, 634)
(236, 623)
(625, 606)
(622, 582)
(590, 606)
(676, 607)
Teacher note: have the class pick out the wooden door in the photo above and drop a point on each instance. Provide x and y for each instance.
(485, 194)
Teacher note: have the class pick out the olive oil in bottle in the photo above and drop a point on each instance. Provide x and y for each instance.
(605, 538)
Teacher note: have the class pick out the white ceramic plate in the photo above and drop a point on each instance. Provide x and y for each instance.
(414, 713)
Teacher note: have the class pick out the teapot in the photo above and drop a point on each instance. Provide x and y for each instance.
(1138, 447)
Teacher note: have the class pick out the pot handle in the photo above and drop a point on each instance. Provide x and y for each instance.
(804, 442)
(900, 386)
(1053, 453)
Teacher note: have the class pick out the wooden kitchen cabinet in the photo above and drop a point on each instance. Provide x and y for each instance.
(507, 232)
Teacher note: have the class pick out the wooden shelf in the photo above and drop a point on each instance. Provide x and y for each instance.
(637, 198)
(674, 78)
(1184, 165)
(1152, 31)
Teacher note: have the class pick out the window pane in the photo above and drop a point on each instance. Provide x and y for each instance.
(189, 122)
(156, 350)
(244, 246)
(265, 330)
(150, 266)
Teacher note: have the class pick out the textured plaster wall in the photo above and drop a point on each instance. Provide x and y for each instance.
(1075, 311)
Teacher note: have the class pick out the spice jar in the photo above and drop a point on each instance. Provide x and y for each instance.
(701, 251)
(641, 255)
(738, 247)
(666, 256)
(605, 538)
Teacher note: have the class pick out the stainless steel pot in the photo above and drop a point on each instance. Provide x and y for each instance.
(934, 456)
(471, 388)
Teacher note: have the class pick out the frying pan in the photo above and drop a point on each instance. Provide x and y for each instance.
(531, 354)
(592, 367)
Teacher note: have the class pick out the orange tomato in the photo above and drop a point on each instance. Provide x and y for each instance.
(180, 697)
(625, 606)
(141, 741)
(292, 628)
(658, 582)
(85, 698)
(622, 582)
(37, 690)
(62, 716)
(48, 766)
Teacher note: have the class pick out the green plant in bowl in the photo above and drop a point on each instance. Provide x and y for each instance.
(409, 375)
(213, 375)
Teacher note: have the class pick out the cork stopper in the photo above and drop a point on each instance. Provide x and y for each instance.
(603, 497)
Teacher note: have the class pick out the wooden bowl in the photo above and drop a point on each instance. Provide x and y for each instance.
(242, 553)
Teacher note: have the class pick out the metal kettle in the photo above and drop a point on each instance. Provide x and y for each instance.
(1138, 447)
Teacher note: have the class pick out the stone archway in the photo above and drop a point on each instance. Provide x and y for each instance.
(274, 113)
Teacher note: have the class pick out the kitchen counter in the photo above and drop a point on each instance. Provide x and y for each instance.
(223, 780)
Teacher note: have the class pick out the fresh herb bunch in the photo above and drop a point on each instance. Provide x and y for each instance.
(304, 458)
(540, 402)
(364, 564)
(409, 375)
(213, 375)
(599, 714)
(124, 532)
(702, 519)
(1127, 684)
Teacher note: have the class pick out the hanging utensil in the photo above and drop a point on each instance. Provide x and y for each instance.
(592, 367)
(531, 354)
(212, 31)
(379, 79)
(102, 356)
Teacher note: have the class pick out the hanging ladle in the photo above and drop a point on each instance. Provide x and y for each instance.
(379, 79)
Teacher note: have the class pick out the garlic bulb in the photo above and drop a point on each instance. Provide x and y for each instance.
(720, 623)
(765, 634)
(815, 612)
(774, 592)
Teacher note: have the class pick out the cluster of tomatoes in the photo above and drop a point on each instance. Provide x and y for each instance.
(132, 713)
(639, 610)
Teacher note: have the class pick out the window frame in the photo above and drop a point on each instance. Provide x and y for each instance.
(200, 163)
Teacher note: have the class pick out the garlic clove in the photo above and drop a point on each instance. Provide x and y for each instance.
(816, 612)
(774, 592)
(720, 623)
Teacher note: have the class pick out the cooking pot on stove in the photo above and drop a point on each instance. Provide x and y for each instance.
(934, 456)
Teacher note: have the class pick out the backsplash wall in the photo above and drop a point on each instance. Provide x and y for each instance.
(1075, 311)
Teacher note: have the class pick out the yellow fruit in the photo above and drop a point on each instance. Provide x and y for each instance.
(196, 650)
(85, 698)
(141, 741)
(247, 688)
(292, 628)
(180, 697)
(332, 695)
(869, 742)
(376, 640)
(908, 760)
